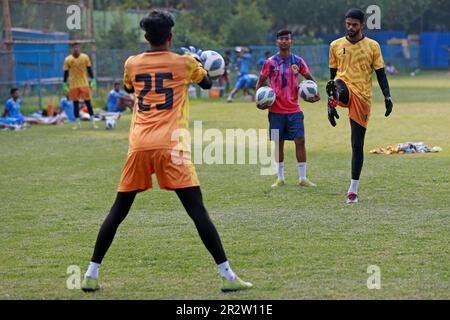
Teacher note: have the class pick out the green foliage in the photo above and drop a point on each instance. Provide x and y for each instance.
(200, 22)
(209, 23)
(188, 32)
(118, 35)
(247, 25)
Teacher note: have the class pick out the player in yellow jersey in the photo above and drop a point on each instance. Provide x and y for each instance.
(353, 59)
(160, 79)
(76, 86)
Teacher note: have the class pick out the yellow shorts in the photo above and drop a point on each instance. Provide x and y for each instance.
(83, 93)
(173, 170)
(358, 109)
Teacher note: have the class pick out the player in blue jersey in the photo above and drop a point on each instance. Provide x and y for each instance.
(246, 83)
(12, 114)
(117, 99)
(67, 106)
(244, 60)
(262, 60)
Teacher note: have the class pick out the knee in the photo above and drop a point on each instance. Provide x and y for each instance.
(342, 90)
(199, 214)
(357, 147)
(300, 143)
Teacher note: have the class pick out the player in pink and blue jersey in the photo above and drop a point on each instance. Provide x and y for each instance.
(285, 115)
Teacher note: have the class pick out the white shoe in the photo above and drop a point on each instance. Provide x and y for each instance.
(306, 183)
(278, 183)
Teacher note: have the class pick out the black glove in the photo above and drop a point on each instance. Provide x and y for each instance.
(332, 114)
(389, 105)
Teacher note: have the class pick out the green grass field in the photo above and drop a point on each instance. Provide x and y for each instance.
(57, 186)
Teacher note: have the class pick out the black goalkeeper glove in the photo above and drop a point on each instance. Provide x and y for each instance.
(332, 114)
(389, 105)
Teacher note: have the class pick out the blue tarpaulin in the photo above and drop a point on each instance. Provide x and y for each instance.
(33, 61)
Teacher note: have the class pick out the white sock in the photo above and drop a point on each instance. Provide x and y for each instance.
(92, 271)
(92, 119)
(280, 170)
(353, 186)
(302, 170)
(226, 272)
(78, 121)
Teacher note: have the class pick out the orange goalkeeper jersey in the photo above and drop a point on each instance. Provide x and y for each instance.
(160, 80)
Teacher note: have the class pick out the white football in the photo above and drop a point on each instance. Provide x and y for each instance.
(110, 124)
(307, 89)
(213, 63)
(265, 97)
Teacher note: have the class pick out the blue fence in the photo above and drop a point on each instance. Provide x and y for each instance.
(434, 49)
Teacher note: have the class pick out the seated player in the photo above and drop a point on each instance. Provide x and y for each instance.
(118, 100)
(390, 69)
(12, 114)
(66, 106)
(245, 83)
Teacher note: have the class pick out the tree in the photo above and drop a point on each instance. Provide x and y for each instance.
(199, 22)
(187, 32)
(247, 26)
(117, 37)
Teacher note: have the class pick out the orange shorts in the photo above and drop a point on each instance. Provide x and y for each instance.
(172, 172)
(83, 93)
(358, 109)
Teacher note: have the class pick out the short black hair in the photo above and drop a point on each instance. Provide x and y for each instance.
(13, 90)
(116, 82)
(266, 53)
(228, 52)
(283, 32)
(76, 43)
(355, 14)
(157, 26)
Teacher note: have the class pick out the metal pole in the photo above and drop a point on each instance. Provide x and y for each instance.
(90, 31)
(114, 66)
(39, 81)
(8, 42)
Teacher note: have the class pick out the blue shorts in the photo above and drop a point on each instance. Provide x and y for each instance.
(241, 82)
(290, 125)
